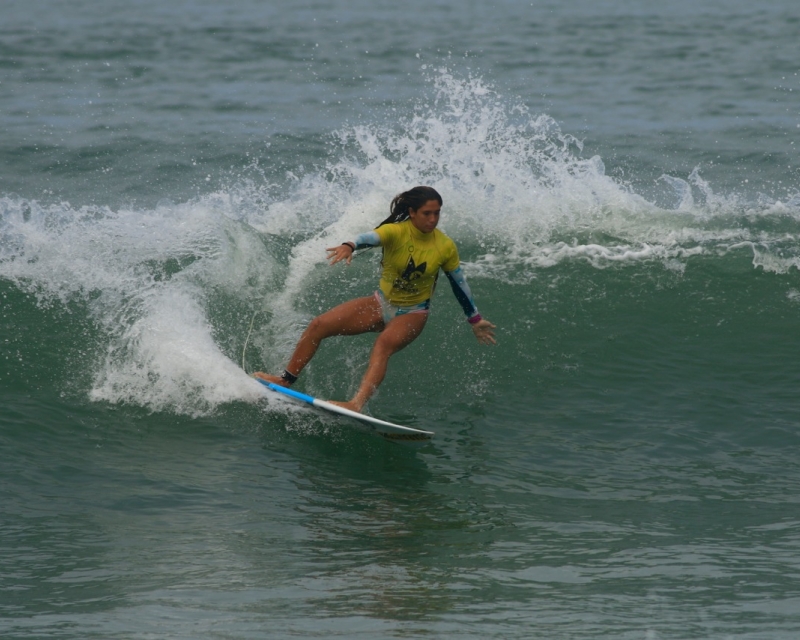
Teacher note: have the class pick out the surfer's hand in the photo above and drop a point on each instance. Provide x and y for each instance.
(483, 331)
(342, 252)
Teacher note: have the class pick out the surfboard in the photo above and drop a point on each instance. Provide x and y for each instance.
(389, 430)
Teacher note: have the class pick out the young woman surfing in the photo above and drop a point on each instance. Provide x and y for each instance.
(413, 252)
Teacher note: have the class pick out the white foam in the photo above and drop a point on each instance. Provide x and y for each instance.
(519, 198)
(145, 277)
(167, 360)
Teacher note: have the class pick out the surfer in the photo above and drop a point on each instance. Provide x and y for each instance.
(413, 252)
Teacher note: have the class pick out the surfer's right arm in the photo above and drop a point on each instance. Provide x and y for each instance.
(346, 250)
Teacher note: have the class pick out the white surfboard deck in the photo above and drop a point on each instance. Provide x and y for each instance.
(389, 430)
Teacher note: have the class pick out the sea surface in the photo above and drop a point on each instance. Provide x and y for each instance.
(623, 183)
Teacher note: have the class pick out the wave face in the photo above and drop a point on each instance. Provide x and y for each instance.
(622, 185)
(170, 291)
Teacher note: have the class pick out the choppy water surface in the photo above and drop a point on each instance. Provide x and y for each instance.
(622, 182)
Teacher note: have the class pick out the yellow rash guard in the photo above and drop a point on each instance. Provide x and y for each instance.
(411, 262)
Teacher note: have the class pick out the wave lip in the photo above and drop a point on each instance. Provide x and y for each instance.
(173, 288)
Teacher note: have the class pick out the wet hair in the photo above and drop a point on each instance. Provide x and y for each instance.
(411, 199)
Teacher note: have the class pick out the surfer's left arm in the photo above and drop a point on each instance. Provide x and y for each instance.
(483, 329)
(346, 250)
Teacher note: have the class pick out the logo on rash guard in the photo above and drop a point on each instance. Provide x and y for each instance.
(412, 272)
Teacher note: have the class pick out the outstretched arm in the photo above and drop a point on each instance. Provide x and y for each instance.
(483, 329)
(346, 250)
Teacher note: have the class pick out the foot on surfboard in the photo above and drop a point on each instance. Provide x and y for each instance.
(346, 405)
(270, 378)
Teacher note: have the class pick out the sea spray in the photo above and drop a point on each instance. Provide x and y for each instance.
(146, 278)
(174, 288)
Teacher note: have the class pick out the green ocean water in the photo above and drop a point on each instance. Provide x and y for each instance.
(622, 184)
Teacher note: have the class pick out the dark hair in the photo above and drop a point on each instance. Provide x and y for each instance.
(411, 199)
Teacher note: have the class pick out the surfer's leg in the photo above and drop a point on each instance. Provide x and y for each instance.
(347, 319)
(399, 333)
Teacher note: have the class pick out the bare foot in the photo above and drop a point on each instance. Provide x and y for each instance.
(346, 405)
(268, 377)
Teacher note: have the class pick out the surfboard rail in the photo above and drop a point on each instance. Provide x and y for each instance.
(384, 428)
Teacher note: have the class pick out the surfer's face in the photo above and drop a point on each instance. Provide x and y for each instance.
(426, 217)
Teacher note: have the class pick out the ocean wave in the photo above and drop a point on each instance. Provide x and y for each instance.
(175, 287)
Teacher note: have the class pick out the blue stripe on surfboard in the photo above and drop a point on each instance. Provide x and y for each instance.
(287, 392)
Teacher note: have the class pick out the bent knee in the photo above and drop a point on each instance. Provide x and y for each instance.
(388, 344)
(315, 325)
(318, 328)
